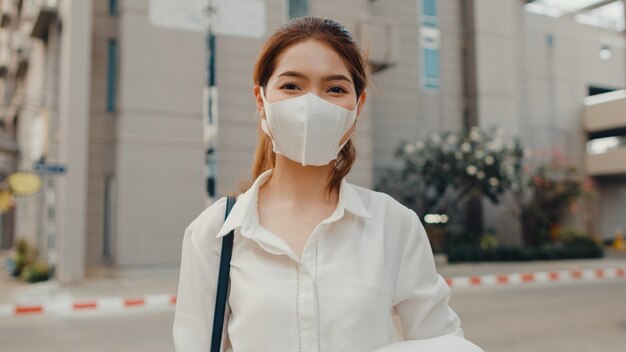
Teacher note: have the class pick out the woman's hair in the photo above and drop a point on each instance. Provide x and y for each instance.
(339, 39)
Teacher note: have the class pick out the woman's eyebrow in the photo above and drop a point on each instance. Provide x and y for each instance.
(325, 78)
(336, 78)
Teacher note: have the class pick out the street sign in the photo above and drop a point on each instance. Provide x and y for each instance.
(54, 169)
(240, 18)
(24, 183)
(181, 14)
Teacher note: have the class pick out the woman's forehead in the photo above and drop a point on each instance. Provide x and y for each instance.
(312, 59)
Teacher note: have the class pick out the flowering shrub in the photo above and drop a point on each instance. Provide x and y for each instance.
(446, 169)
(442, 172)
(546, 193)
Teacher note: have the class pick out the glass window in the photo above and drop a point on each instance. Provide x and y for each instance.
(112, 7)
(429, 7)
(298, 8)
(111, 75)
(431, 68)
(429, 13)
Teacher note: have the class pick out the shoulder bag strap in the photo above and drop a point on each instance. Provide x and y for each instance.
(222, 282)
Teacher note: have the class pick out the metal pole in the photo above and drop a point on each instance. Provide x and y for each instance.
(211, 123)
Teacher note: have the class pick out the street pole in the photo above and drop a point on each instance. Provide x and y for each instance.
(210, 130)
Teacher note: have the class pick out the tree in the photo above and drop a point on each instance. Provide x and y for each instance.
(442, 172)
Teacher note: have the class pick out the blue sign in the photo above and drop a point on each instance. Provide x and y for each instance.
(54, 169)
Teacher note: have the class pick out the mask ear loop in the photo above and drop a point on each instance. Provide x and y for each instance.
(263, 96)
(356, 118)
(347, 140)
(263, 117)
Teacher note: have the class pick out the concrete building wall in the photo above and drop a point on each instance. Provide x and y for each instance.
(609, 212)
(159, 166)
(400, 108)
(102, 136)
(74, 102)
(562, 61)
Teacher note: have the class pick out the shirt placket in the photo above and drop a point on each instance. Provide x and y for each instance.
(307, 302)
(307, 295)
(305, 307)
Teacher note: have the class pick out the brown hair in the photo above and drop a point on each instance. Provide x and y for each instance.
(338, 38)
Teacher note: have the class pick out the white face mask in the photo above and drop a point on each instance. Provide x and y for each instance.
(307, 129)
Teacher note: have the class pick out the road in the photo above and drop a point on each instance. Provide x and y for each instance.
(578, 316)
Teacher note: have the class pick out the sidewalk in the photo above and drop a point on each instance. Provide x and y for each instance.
(101, 282)
(143, 281)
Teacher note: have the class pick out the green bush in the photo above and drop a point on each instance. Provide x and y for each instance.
(35, 272)
(576, 239)
(458, 237)
(23, 255)
(460, 254)
(488, 241)
(24, 263)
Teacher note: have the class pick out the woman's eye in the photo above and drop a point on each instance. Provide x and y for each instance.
(289, 86)
(337, 89)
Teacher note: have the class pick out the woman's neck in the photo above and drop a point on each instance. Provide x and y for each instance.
(292, 182)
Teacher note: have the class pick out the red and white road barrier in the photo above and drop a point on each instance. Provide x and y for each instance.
(106, 304)
(121, 304)
(540, 276)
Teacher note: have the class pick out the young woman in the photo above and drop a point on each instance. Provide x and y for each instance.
(318, 263)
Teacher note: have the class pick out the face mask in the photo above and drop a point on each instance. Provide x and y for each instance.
(307, 129)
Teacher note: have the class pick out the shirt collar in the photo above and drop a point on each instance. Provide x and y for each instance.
(245, 210)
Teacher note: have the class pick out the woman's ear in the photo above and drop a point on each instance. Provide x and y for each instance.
(362, 100)
(259, 101)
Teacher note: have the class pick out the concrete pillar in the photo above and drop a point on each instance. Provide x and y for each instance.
(76, 17)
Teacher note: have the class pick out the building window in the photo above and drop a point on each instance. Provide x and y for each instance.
(111, 75)
(298, 8)
(595, 90)
(429, 13)
(431, 68)
(430, 44)
(112, 7)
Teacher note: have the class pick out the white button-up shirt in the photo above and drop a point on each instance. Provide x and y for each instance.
(366, 279)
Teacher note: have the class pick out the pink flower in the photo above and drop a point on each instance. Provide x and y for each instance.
(558, 157)
(587, 184)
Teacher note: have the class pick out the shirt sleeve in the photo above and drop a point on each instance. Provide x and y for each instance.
(195, 301)
(421, 301)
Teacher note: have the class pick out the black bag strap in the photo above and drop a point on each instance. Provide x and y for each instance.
(222, 282)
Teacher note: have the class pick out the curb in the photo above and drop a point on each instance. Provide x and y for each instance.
(122, 304)
(539, 276)
(108, 304)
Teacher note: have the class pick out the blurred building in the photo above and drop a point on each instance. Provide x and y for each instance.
(536, 63)
(111, 106)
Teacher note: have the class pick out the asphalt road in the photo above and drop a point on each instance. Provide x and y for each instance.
(579, 316)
